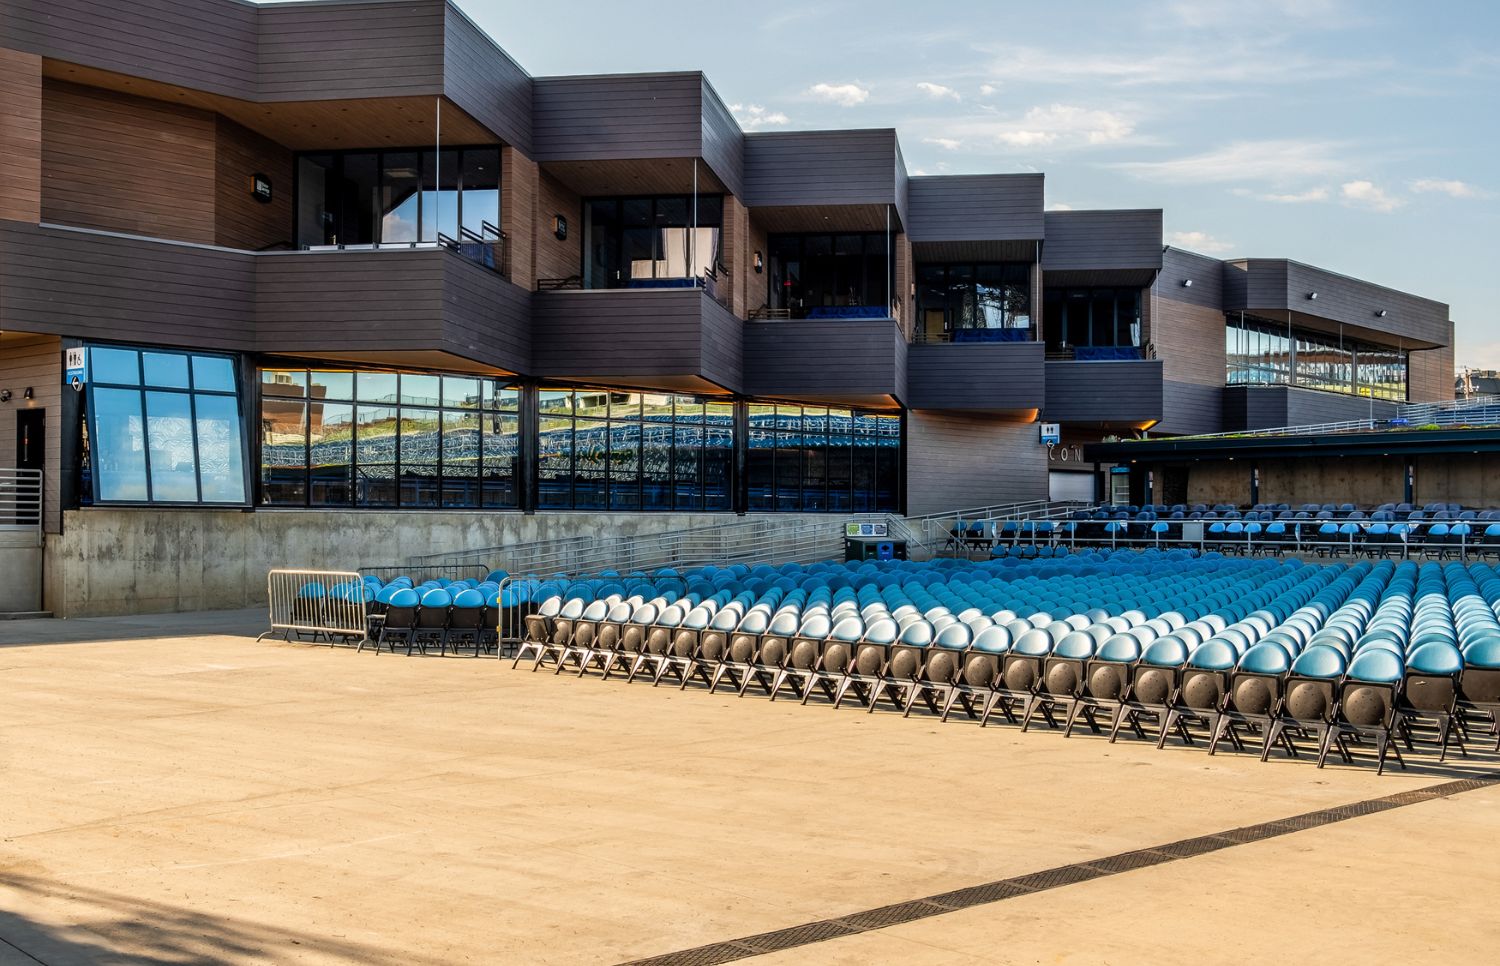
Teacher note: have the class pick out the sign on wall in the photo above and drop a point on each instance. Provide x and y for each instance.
(73, 367)
(1051, 434)
(866, 530)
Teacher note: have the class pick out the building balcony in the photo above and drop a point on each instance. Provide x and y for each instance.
(853, 361)
(993, 377)
(671, 338)
(1123, 394)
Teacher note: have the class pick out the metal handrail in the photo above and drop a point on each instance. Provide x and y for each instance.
(1407, 415)
(21, 500)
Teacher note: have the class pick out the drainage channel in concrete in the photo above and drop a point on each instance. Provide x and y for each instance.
(869, 920)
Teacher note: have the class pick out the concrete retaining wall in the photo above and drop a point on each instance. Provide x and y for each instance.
(113, 562)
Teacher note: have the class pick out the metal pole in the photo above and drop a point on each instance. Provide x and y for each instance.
(692, 252)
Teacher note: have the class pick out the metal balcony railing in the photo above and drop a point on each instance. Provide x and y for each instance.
(21, 499)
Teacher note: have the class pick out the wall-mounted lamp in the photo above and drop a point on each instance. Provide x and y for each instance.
(28, 394)
(4, 395)
(1380, 314)
(560, 227)
(760, 263)
(1312, 295)
(1187, 283)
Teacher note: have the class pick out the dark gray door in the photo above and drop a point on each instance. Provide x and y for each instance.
(31, 438)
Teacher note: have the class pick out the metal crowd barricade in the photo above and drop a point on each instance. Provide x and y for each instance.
(317, 604)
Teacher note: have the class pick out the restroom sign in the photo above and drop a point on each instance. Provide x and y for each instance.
(73, 366)
(1051, 434)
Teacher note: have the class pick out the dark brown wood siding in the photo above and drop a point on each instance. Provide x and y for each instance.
(825, 358)
(204, 46)
(120, 163)
(1271, 407)
(1104, 392)
(1005, 377)
(603, 117)
(980, 207)
(354, 301)
(95, 286)
(723, 142)
(336, 50)
(485, 317)
(643, 335)
(1102, 241)
(820, 168)
(240, 221)
(960, 461)
(35, 362)
(485, 81)
(21, 135)
(1186, 326)
(1281, 285)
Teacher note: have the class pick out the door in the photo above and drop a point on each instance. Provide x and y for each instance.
(31, 438)
(1063, 486)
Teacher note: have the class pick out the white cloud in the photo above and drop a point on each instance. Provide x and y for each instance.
(986, 89)
(937, 91)
(752, 117)
(1366, 194)
(1297, 197)
(1453, 189)
(948, 144)
(845, 95)
(1276, 161)
(1056, 125)
(1188, 68)
(1200, 241)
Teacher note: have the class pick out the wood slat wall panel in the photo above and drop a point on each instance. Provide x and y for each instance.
(558, 258)
(641, 333)
(1186, 325)
(1191, 408)
(36, 361)
(723, 346)
(1005, 377)
(485, 81)
(821, 168)
(828, 358)
(518, 214)
(485, 318)
(122, 289)
(955, 461)
(988, 207)
(21, 136)
(617, 116)
(120, 163)
(1102, 240)
(349, 300)
(1431, 375)
(1281, 285)
(206, 46)
(240, 221)
(1104, 392)
(351, 50)
(723, 142)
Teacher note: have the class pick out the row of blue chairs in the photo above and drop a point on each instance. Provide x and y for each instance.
(1344, 657)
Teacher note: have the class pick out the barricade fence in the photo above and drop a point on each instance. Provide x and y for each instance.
(1364, 538)
(319, 603)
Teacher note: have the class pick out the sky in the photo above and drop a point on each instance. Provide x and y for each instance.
(1361, 137)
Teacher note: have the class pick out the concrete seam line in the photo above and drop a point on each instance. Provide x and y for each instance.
(894, 914)
(7, 942)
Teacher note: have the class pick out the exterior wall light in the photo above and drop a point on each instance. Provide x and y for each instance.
(1187, 283)
(1380, 314)
(1312, 295)
(760, 263)
(28, 394)
(560, 227)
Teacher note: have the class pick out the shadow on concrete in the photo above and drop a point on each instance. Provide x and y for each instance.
(89, 630)
(118, 929)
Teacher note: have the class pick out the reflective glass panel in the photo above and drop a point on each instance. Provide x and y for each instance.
(221, 453)
(118, 445)
(169, 428)
(213, 374)
(116, 366)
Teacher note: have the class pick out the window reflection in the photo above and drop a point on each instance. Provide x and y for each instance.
(831, 276)
(650, 242)
(396, 197)
(974, 303)
(1092, 318)
(1263, 352)
(164, 427)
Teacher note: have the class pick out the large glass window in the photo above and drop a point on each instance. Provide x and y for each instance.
(650, 242)
(831, 276)
(1264, 352)
(810, 459)
(397, 197)
(163, 427)
(387, 439)
(602, 449)
(1092, 318)
(986, 302)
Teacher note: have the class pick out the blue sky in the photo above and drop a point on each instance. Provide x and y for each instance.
(1358, 136)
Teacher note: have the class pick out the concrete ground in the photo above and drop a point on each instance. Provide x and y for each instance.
(172, 792)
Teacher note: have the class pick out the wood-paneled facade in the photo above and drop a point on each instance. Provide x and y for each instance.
(130, 133)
